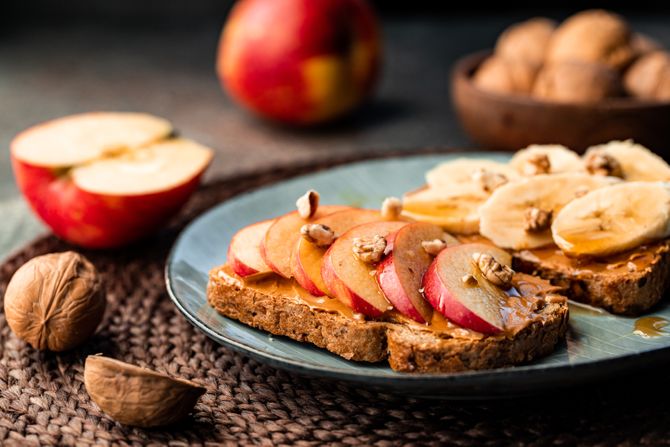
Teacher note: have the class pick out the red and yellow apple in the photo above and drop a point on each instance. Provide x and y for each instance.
(479, 307)
(352, 281)
(299, 61)
(308, 257)
(244, 252)
(102, 180)
(400, 273)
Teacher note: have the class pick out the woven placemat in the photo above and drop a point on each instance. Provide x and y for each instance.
(43, 400)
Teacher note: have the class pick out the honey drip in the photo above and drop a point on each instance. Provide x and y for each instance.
(650, 327)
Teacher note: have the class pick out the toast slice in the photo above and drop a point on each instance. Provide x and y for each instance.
(406, 345)
(628, 283)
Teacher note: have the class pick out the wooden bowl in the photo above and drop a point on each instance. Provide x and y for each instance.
(511, 122)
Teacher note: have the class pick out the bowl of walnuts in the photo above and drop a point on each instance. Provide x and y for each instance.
(587, 80)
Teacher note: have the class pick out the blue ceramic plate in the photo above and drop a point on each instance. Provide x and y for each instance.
(598, 344)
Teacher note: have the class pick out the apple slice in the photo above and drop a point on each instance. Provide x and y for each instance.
(244, 252)
(477, 307)
(400, 274)
(308, 257)
(279, 241)
(352, 281)
(102, 180)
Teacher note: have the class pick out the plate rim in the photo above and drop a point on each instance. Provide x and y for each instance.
(589, 369)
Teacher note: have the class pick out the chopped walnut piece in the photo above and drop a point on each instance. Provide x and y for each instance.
(307, 204)
(537, 163)
(601, 163)
(537, 219)
(469, 280)
(489, 180)
(321, 235)
(391, 208)
(538, 305)
(369, 249)
(434, 247)
(499, 274)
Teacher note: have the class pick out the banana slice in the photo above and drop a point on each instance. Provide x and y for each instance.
(637, 162)
(614, 219)
(546, 159)
(518, 215)
(462, 170)
(455, 209)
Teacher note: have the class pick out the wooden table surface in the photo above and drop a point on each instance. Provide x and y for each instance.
(52, 71)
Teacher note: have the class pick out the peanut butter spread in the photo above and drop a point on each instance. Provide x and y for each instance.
(525, 302)
(552, 257)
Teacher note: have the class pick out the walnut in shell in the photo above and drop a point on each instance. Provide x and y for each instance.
(645, 77)
(595, 36)
(526, 41)
(138, 396)
(55, 301)
(500, 75)
(577, 82)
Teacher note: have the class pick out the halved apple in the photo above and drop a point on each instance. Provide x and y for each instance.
(244, 252)
(308, 257)
(279, 241)
(400, 274)
(479, 307)
(352, 281)
(102, 180)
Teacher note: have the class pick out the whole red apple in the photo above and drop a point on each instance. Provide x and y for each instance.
(299, 61)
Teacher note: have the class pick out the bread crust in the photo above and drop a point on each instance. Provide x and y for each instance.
(405, 347)
(630, 293)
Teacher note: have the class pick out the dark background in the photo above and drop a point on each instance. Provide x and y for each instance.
(158, 56)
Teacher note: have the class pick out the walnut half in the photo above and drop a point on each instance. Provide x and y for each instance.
(601, 163)
(489, 180)
(307, 204)
(537, 219)
(499, 274)
(369, 249)
(321, 235)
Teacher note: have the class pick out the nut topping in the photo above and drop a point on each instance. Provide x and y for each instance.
(537, 163)
(434, 247)
(321, 235)
(307, 204)
(469, 280)
(391, 208)
(369, 249)
(499, 274)
(631, 266)
(601, 163)
(489, 180)
(537, 219)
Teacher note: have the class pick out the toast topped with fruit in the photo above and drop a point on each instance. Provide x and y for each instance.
(374, 285)
(595, 226)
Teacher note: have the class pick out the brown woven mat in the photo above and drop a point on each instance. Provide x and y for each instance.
(43, 400)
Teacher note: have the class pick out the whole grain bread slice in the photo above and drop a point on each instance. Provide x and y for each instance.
(627, 284)
(404, 346)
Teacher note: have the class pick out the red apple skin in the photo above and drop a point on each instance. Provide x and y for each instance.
(300, 275)
(448, 305)
(394, 291)
(96, 220)
(340, 290)
(239, 267)
(299, 62)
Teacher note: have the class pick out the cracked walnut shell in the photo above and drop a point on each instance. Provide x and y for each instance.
(138, 396)
(55, 301)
